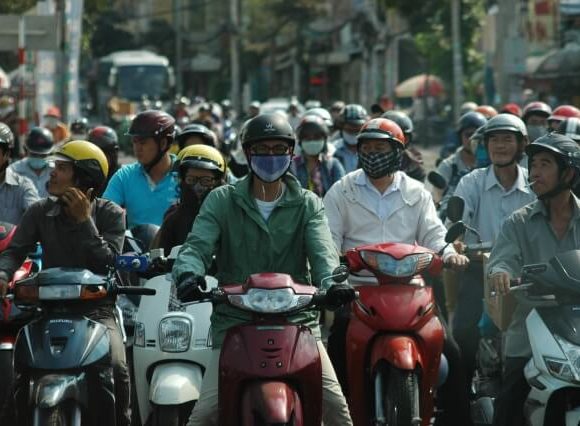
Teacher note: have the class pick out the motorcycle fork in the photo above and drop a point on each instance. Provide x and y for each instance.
(379, 398)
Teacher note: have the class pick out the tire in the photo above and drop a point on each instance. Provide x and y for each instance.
(401, 398)
(166, 415)
(54, 416)
(6, 388)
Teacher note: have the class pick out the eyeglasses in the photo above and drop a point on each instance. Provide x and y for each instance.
(203, 180)
(262, 149)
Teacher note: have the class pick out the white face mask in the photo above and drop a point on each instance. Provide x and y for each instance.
(51, 122)
(349, 138)
(313, 147)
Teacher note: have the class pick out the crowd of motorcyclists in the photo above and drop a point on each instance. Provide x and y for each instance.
(291, 192)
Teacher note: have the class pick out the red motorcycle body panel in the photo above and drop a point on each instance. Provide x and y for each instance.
(269, 367)
(392, 324)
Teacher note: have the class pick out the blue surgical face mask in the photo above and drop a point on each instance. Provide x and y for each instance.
(270, 168)
(37, 163)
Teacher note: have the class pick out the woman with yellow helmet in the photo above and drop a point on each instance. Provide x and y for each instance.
(200, 168)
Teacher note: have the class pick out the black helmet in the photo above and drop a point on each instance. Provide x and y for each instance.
(105, 138)
(571, 128)
(354, 114)
(267, 127)
(403, 121)
(200, 130)
(564, 148)
(6, 137)
(79, 126)
(471, 120)
(39, 141)
(153, 123)
(312, 122)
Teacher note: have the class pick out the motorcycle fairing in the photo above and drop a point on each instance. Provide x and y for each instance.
(254, 353)
(62, 343)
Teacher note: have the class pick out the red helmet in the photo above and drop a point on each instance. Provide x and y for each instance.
(153, 123)
(487, 110)
(53, 111)
(563, 112)
(512, 108)
(536, 107)
(382, 128)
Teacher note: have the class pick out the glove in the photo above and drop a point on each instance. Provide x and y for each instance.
(338, 295)
(188, 289)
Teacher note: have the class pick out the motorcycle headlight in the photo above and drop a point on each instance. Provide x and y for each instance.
(568, 369)
(139, 334)
(270, 301)
(388, 265)
(55, 292)
(175, 334)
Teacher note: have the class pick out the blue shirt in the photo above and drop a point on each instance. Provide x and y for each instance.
(488, 203)
(348, 158)
(145, 202)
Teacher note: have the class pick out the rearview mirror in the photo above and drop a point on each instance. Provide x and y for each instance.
(455, 208)
(437, 180)
(340, 274)
(455, 231)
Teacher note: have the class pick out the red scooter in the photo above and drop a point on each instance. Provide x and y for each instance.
(270, 369)
(12, 319)
(394, 338)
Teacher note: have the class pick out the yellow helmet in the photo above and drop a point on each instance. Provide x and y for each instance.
(201, 157)
(87, 157)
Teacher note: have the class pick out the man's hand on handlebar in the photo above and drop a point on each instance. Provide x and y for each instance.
(338, 295)
(457, 262)
(189, 288)
(500, 282)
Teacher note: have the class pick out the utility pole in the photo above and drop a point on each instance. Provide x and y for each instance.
(457, 60)
(62, 61)
(178, 46)
(235, 54)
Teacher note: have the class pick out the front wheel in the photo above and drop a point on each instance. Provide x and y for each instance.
(171, 415)
(401, 398)
(54, 416)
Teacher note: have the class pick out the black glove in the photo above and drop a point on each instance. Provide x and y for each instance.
(338, 295)
(189, 288)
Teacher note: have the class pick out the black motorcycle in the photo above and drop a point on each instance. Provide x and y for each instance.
(57, 352)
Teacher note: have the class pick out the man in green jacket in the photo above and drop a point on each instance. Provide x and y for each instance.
(264, 223)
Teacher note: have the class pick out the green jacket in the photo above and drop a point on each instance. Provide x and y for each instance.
(295, 240)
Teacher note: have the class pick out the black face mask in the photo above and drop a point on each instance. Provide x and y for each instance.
(193, 195)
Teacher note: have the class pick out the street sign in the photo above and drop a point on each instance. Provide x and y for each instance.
(41, 32)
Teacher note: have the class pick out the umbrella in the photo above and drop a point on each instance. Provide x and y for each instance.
(416, 86)
(560, 63)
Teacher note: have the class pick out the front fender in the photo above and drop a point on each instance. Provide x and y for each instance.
(274, 402)
(52, 389)
(399, 351)
(175, 383)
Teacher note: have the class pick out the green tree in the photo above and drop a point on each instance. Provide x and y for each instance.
(430, 24)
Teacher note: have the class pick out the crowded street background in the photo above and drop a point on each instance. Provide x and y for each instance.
(262, 212)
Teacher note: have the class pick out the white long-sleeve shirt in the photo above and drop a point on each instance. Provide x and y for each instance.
(405, 213)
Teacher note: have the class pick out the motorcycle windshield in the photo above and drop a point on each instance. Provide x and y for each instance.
(73, 276)
(567, 268)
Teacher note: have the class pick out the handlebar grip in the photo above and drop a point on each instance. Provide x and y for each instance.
(137, 291)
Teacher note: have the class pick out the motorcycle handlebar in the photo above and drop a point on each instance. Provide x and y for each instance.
(137, 291)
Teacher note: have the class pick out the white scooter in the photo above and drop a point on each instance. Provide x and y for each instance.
(553, 326)
(171, 350)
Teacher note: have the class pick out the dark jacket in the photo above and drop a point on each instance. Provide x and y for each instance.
(92, 244)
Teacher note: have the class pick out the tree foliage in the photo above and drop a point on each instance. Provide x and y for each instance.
(430, 24)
